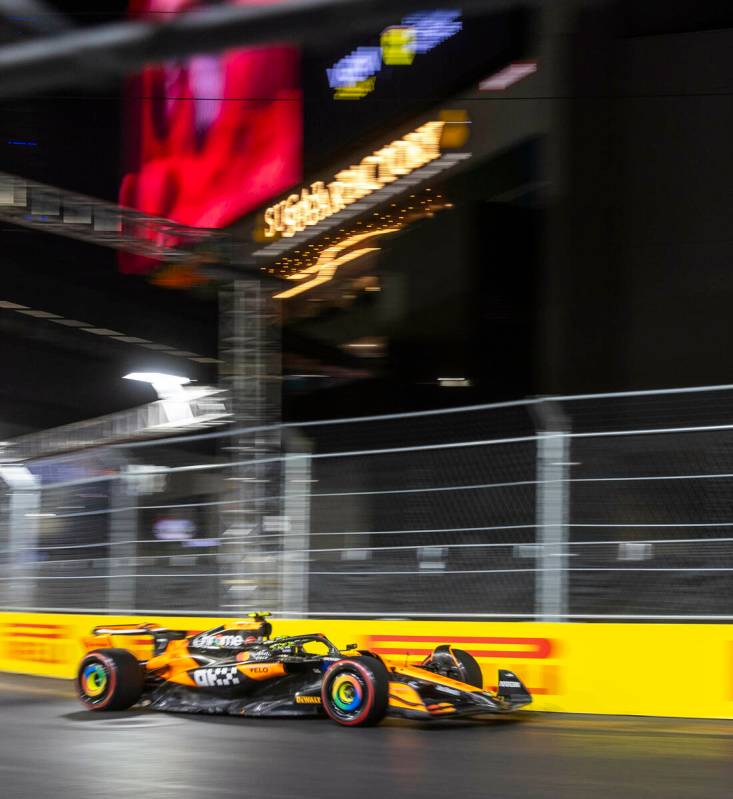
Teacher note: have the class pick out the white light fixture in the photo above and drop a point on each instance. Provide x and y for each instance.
(166, 386)
(511, 74)
(454, 382)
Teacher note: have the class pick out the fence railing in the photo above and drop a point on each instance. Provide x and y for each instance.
(613, 506)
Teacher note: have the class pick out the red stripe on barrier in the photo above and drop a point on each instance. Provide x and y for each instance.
(33, 626)
(542, 647)
(383, 650)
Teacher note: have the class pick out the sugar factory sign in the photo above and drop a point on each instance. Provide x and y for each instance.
(321, 200)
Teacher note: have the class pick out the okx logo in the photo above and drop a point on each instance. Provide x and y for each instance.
(218, 677)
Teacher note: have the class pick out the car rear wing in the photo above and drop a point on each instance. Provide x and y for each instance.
(103, 636)
(127, 629)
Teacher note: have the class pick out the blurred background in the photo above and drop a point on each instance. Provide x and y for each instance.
(404, 294)
(396, 316)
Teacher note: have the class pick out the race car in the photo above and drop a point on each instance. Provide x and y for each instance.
(238, 669)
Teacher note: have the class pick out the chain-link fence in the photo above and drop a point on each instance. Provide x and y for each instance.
(603, 506)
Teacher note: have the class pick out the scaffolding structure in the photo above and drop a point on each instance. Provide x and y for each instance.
(251, 370)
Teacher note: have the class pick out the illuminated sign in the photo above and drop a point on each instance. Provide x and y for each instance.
(399, 44)
(315, 268)
(354, 76)
(298, 212)
(330, 260)
(373, 172)
(433, 27)
(355, 67)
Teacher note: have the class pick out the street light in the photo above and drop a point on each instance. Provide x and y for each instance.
(166, 386)
(179, 406)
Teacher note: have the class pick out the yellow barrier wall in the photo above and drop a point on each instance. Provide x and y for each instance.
(638, 669)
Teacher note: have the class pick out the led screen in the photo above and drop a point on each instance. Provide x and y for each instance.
(361, 86)
(211, 137)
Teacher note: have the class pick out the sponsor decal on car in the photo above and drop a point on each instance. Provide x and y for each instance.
(509, 684)
(217, 677)
(307, 700)
(217, 641)
(260, 654)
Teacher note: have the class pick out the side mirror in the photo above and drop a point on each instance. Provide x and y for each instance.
(350, 646)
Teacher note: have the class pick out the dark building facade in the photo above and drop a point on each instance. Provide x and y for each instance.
(583, 246)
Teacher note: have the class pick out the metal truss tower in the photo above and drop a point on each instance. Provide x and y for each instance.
(251, 369)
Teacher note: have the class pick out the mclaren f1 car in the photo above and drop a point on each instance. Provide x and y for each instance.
(239, 669)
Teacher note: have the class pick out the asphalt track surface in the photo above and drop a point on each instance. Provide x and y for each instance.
(50, 747)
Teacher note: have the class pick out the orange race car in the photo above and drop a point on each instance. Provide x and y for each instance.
(238, 669)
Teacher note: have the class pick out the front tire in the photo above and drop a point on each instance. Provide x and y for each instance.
(469, 666)
(109, 679)
(355, 691)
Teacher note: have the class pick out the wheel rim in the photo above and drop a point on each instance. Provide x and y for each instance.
(94, 680)
(348, 694)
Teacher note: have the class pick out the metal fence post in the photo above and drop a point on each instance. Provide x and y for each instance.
(122, 544)
(551, 586)
(24, 502)
(294, 558)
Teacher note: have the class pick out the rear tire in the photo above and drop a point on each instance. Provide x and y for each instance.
(355, 691)
(469, 666)
(109, 679)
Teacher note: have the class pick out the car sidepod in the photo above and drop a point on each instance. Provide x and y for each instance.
(241, 689)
